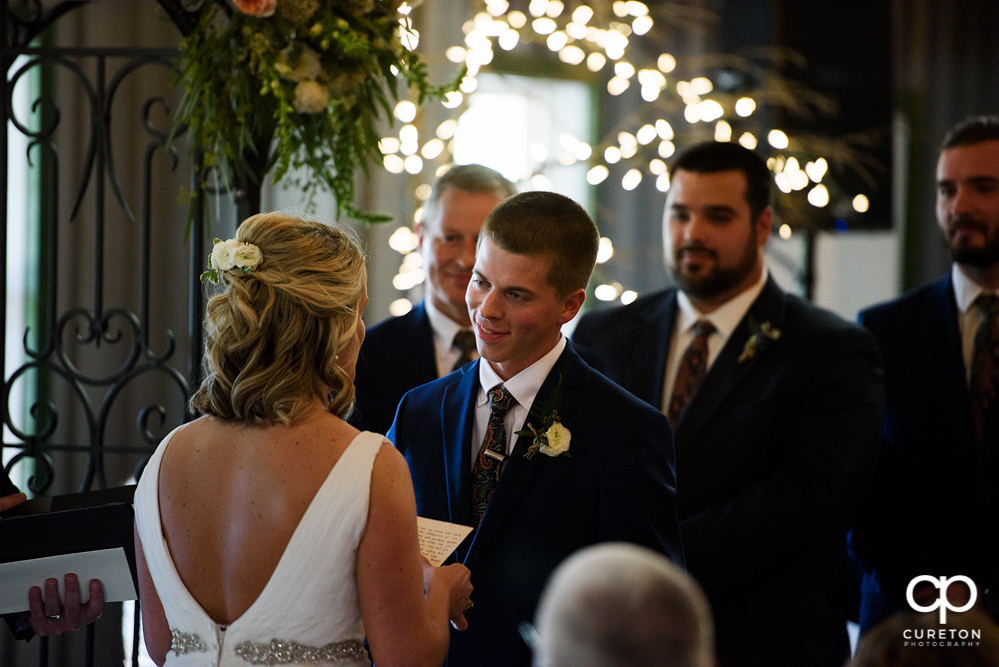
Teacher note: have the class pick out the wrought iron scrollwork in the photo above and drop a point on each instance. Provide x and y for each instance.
(122, 334)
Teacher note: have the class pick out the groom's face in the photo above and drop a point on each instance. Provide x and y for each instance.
(516, 313)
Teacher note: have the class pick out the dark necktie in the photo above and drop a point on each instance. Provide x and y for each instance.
(485, 474)
(985, 363)
(690, 373)
(464, 340)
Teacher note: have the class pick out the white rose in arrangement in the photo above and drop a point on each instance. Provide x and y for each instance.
(308, 67)
(558, 438)
(222, 255)
(311, 97)
(247, 256)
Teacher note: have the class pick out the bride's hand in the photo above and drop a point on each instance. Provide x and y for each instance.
(456, 580)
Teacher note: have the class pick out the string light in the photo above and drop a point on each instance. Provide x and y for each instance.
(578, 41)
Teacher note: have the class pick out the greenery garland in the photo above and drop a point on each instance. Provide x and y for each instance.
(293, 84)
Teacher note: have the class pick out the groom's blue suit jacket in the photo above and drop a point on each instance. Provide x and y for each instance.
(617, 485)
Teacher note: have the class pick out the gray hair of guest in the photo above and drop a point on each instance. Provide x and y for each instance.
(973, 130)
(472, 178)
(622, 605)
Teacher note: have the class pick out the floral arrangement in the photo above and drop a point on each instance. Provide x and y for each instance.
(758, 340)
(551, 438)
(292, 84)
(230, 255)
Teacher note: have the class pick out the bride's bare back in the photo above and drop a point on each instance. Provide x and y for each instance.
(232, 495)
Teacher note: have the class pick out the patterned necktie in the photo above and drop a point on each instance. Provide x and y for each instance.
(985, 363)
(464, 340)
(690, 373)
(485, 474)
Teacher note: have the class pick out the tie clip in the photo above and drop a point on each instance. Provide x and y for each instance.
(495, 456)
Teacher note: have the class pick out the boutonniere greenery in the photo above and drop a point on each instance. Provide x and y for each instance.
(551, 438)
(758, 340)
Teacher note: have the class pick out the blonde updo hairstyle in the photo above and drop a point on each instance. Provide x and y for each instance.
(272, 336)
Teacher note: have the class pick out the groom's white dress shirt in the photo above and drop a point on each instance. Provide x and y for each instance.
(524, 387)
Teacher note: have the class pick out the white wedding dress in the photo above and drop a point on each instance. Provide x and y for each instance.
(308, 613)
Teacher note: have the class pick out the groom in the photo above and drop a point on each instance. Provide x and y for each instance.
(591, 463)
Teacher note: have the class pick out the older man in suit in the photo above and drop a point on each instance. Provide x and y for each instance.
(434, 337)
(529, 445)
(933, 510)
(776, 406)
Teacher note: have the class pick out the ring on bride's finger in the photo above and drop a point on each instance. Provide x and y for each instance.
(53, 617)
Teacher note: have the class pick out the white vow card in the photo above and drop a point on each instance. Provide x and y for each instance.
(439, 538)
(108, 565)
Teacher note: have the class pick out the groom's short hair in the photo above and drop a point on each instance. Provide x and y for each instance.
(551, 225)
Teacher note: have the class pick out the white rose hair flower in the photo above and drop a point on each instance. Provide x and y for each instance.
(231, 255)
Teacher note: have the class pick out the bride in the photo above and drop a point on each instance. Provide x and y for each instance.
(270, 531)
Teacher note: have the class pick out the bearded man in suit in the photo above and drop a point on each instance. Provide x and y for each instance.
(933, 508)
(776, 406)
(538, 452)
(434, 337)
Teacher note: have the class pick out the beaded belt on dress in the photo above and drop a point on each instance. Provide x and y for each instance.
(277, 652)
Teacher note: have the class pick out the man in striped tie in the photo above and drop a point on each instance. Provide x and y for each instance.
(776, 406)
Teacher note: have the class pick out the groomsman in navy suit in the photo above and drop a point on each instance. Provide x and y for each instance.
(434, 337)
(776, 405)
(935, 507)
(538, 452)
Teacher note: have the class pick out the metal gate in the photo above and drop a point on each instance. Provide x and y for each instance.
(101, 366)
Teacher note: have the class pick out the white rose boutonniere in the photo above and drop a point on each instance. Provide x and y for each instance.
(229, 255)
(552, 438)
(557, 438)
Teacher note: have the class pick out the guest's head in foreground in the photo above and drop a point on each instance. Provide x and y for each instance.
(287, 331)
(449, 231)
(717, 221)
(534, 258)
(968, 197)
(621, 605)
(919, 640)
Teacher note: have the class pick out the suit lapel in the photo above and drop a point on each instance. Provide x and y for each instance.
(951, 386)
(519, 471)
(647, 349)
(726, 372)
(416, 338)
(457, 416)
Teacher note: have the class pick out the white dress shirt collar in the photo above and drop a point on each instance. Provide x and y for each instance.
(443, 326)
(966, 290)
(727, 316)
(525, 385)
(444, 329)
(725, 319)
